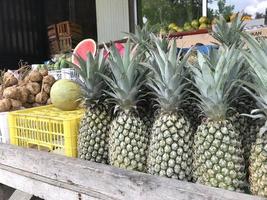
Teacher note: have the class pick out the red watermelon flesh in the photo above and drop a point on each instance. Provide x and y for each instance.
(83, 48)
(119, 47)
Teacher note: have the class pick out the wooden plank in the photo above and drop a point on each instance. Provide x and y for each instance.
(33, 184)
(93, 180)
(19, 195)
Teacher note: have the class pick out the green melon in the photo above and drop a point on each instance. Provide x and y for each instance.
(65, 95)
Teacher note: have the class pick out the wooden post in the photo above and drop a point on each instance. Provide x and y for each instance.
(265, 21)
(204, 7)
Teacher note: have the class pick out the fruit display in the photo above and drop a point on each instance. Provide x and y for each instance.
(153, 108)
(196, 24)
(179, 115)
(25, 88)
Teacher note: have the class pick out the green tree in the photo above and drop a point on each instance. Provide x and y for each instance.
(167, 11)
(225, 10)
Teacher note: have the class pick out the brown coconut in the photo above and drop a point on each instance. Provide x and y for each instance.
(9, 79)
(33, 87)
(49, 80)
(31, 98)
(1, 91)
(27, 105)
(35, 76)
(24, 93)
(15, 104)
(5, 105)
(43, 72)
(41, 97)
(47, 88)
(36, 104)
(11, 93)
(26, 79)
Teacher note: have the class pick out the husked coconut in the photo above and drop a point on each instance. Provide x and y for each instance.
(49, 80)
(27, 105)
(16, 104)
(41, 97)
(5, 105)
(9, 79)
(26, 79)
(31, 98)
(24, 93)
(47, 88)
(11, 93)
(33, 87)
(43, 72)
(35, 76)
(36, 104)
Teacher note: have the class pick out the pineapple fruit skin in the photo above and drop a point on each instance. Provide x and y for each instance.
(258, 167)
(93, 134)
(218, 156)
(128, 142)
(170, 151)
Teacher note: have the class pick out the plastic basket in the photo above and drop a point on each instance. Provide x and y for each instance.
(56, 74)
(46, 128)
(69, 73)
(4, 131)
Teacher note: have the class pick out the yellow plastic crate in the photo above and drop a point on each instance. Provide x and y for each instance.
(46, 128)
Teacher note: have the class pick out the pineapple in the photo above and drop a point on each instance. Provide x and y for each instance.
(128, 140)
(218, 156)
(257, 58)
(170, 150)
(94, 126)
(229, 34)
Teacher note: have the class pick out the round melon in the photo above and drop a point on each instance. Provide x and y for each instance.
(82, 49)
(65, 95)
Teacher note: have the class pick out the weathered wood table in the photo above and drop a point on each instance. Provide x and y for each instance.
(56, 177)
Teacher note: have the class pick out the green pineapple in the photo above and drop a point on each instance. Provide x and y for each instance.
(257, 58)
(229, 33)
(218, 156)
(170, 151)
(94, 127)
(128, 140)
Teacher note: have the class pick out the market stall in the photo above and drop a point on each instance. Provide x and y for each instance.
(142, 119)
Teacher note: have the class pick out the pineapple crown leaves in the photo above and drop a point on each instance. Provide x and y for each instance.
(229, 34)
(90, 81)
(166, 78)
(162, 42)
(127, 77)
(141, 35)
(215, 77)
(145, 38)
(257, 59)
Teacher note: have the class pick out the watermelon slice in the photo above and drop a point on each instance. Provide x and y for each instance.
(120, 48)
(82, 49)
